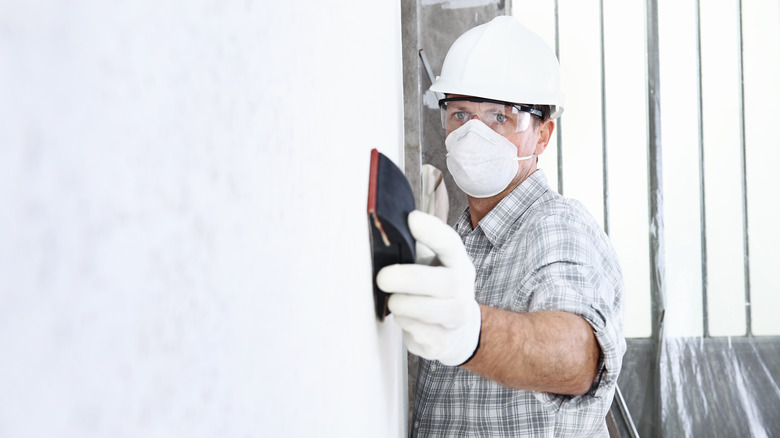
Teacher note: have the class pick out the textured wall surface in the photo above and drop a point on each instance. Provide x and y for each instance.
(183, 242)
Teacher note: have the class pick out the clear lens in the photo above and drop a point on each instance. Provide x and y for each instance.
(504, 119)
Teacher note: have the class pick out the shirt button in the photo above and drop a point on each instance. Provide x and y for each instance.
(433, 367)
(416, 424)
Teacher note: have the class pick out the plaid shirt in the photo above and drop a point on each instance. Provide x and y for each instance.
(534, 251)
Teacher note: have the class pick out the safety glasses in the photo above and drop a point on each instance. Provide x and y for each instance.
(503, 117)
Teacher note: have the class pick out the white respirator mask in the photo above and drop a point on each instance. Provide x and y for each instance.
(482, 162)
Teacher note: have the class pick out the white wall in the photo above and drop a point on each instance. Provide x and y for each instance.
(183, 242)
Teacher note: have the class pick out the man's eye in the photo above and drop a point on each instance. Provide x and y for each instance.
(461, 116)
(500, 118)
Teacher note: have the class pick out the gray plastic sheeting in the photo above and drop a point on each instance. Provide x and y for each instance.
(720, 387)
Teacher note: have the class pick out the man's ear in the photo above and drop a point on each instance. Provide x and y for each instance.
(544, 134)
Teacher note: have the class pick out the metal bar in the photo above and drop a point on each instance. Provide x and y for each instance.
(627, 420)
(559, 136)
(604, 173)
(655, 175)
(426, 65)
(655, 198)
(429, 70)
(702, 188)
(743, 159)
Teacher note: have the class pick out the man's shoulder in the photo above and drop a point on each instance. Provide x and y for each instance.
(554, 210)
(555, 221)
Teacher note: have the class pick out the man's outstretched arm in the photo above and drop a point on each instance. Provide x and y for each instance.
(541, 351)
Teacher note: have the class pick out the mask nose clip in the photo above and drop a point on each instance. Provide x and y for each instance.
(469, 128)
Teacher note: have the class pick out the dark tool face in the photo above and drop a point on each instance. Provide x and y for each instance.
(390, 200)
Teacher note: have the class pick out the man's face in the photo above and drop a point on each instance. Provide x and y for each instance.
(512, 121)
(506, 119)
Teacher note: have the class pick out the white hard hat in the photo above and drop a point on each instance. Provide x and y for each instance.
(503, 60)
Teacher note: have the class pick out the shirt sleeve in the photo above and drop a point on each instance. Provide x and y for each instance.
(574, 269)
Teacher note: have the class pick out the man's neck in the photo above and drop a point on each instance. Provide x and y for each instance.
(480, 207)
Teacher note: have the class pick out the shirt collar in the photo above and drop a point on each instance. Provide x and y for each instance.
(497, 225)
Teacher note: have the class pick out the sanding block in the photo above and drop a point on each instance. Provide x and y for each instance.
(390, 200)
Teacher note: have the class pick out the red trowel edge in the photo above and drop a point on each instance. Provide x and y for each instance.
(390, 200)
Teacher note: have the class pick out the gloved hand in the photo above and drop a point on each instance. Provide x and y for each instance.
(424, 255)
(435, 305)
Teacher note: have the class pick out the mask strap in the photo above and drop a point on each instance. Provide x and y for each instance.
(525, 158)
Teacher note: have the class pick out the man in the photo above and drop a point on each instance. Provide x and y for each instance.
(520, 324)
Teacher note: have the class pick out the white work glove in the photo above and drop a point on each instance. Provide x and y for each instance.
(424, 255)
(435, 305)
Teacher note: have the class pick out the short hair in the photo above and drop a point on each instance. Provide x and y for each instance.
(546, 110)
